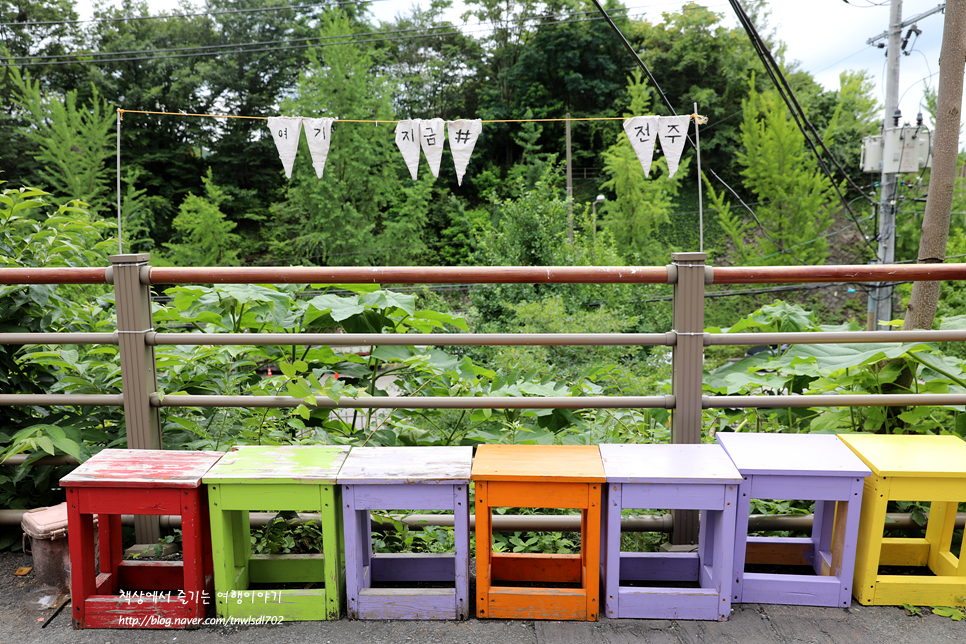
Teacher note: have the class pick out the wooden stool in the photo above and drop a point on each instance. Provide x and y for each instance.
(538, 476)
(138, 594)
(813, 467)
(254, 478)
(674, 477)
(910, 468)
(405, 478)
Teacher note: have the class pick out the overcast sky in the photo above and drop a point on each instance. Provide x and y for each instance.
(827, 37)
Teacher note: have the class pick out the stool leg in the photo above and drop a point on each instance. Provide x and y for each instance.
(611, 549)
(823, 525)
(590, 546)
(111, 552)
(80, 528)
(226, 555)
(742, 512)
(193, 551)
(330, 544)
(352, 525)
(484, 538)
(875, 499)
(461, 536)
(724, 548)
(939, 534)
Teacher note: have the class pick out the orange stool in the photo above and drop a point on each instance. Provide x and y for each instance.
(538, 476)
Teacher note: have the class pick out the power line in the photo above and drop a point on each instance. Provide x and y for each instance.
(203, 50)
(187, 15)
(798, 114)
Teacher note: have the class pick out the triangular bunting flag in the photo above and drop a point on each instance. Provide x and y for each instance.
(431, 139)
(408, 143)
(674, 132)
(642, 133)
(285, 131)
(463, 134)
(319, 134)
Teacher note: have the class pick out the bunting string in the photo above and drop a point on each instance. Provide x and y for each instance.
(428, 136)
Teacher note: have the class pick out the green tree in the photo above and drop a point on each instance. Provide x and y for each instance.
(74, 142)
(204, 234)
(641, 203)
(333, 220)
(796, 201)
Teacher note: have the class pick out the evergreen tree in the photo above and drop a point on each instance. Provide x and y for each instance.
(796, 200)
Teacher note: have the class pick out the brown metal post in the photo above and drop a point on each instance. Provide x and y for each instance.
(139, 379)
(687, 362)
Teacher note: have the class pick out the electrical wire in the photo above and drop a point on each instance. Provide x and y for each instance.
(203, 50)
(188, 15)
(798, 114)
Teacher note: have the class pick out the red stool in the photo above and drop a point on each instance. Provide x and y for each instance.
(139, 594)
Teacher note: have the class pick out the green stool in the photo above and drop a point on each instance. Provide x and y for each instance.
(301, 479)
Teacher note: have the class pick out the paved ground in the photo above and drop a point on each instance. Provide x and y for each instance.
(749, 624)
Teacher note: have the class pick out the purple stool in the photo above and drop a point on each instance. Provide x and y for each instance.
(813, 467)
(405, 478)
(676, 477)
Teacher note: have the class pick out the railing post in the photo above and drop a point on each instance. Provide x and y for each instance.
(687, 363)
(132, 301)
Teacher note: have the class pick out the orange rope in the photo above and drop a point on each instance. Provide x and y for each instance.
(265, 118)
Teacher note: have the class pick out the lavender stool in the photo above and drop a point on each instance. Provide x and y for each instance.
(812, 467)
(677, 477)
(405, 478)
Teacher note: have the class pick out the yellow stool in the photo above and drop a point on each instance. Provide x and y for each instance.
(910, 468)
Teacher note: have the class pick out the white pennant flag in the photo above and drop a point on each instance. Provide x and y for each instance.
(431, 139)
(674, 132)
(463, 134)
(407, 133)
(319, 135)
(285, 131)
(642, 133)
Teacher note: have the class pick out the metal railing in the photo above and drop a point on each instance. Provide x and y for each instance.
(132, 278)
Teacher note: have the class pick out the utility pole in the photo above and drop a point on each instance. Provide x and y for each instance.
(880, 297)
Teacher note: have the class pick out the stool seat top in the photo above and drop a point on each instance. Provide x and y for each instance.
(538, 463)
(910, 454)
(791, 454)
(704, 464)
(389, 465)
(147, 468)
(260, 464)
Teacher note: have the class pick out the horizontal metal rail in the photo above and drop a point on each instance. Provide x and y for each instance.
(849, 274)
(833, 337)
(412, 275)
(58, 400)
(833, 400)
(489, 274)
(414, 339)
(901, 521)
(498, 402)
(59, 275)
(488, 339)
(58, 338)
(424, 402)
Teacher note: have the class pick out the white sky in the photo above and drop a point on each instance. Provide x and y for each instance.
(827, 37)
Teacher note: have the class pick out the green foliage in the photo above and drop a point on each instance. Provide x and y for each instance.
(641, 203)
(35, 233)
(204, 235)
(74, 141)
(284, 534)
(946, 611)
(836, 369)
(796, 200)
